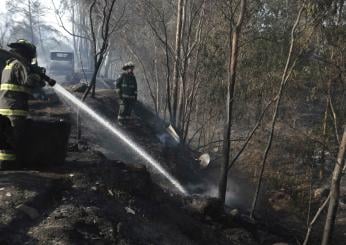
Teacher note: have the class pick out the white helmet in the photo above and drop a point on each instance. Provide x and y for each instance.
(128, 65)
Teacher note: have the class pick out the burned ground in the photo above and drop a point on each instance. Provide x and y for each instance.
(95, 198)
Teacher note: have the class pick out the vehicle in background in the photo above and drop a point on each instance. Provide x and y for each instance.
(61, 66)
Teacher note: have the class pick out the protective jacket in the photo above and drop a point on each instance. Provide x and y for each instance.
(17, 81)
(126, 86)
(15, 89)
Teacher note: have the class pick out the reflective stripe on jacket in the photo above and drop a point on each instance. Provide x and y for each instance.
(126, 86)
(129, 96)
(14, 93)
(11, 112)
(7, 155)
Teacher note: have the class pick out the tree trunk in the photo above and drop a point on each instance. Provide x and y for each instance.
(182, 75)
(324, 137)
(31, 24)
(108, 64)
(92, 86)
(74, 32)
(157, 84)
(313, 221)
(177, 61)
(41, 39)
(335, 192)
(222, 188)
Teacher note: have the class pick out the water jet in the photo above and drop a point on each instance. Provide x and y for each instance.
(61, 91)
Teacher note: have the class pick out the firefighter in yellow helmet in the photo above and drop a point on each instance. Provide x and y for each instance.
(17, 80)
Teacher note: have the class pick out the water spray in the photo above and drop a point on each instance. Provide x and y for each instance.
(122, 136)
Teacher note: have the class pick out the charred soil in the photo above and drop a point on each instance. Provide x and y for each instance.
(94, 198)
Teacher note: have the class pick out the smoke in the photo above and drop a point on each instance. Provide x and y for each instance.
(238, 195)
(233, 196)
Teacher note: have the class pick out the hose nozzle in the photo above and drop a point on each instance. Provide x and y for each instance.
(51, 82)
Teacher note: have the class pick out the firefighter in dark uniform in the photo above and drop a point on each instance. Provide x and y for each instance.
(126, 88)
(17, 81)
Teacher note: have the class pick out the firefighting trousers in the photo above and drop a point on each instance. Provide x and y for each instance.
(7, 153)
(12, 156)
(125, 109)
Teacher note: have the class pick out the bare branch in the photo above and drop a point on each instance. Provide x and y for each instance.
(313, 221)
(287, 71)
(63, 26)
(249, 137)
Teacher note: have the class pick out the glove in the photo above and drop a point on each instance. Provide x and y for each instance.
(35, 81)
(118, 92)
